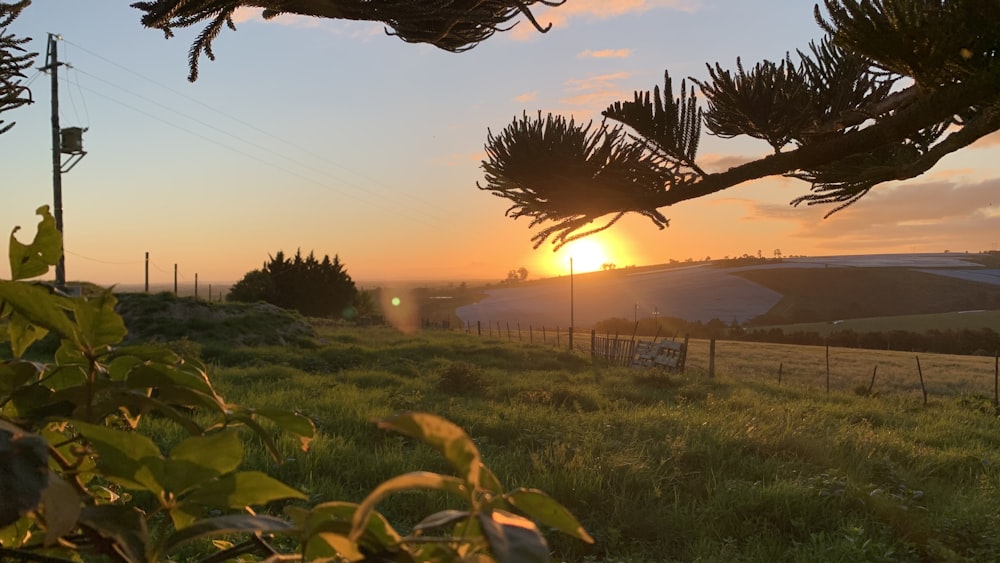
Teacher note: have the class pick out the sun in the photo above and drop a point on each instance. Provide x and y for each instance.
(588, 255)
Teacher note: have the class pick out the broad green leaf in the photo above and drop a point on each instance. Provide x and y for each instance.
(238, 490)
(123, 525)
(100, 325)
(153, 374)
(442, 435)
(61, 504)
(405, 482)
(23, 473)
(22, 334)
(33, 259)
(138, 402)
(337, 545)
(33, 402)
(441, 519)
(295, 423)
(543, 508)
(201, 458)
(222, 525)
(68, 354)
(336, 517)
(124, 457)
(15, 373)
(39, 306)
(488, 481)
(148, 352)
(513, 539)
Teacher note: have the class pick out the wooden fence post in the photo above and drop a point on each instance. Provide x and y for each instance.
(711, 358)
(996, 380)
(920, 372)
(827, 368)
(479, 328)
(557, 336)
(780, 366)
(872, 384)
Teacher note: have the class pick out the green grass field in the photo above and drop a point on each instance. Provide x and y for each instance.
(657, 468)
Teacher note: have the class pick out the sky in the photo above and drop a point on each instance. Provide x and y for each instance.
(332, 137)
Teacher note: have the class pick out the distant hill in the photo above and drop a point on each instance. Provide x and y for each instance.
(746, 289)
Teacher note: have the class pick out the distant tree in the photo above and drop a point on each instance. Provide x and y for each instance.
(516, 275)
(894, 86)
(314, 288)
(14, 60)
(608, 266)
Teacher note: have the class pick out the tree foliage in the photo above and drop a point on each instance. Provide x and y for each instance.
(14, 60)
(452, 25)
(893, 87)
(312, 287)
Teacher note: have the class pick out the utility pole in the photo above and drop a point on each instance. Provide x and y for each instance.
(52, 65)
(68, 141)
(571, 303)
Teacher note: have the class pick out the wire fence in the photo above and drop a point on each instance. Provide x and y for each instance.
(832, 369)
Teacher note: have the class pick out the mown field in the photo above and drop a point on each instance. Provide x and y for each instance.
(657, 467)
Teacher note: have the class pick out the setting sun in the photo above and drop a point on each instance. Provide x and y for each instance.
(588, 255)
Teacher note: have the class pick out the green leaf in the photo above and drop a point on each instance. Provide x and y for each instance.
(128, 458)
(33, 259)
(407, 481)
(15, 373)
(292, 422)
(513, 539)
(23, 334)
(100, 325)
(441, 519)
(23, 473)
(123, 525)
(62, 508)
(222, 525)
(40, 307)
(201, 458)
(543, 508)
(336, 516)
(442, 435)
(238, 490)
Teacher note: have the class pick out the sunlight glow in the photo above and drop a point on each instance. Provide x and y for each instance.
(588, 255)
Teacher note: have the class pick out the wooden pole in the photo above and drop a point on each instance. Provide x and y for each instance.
(872, 384)
(147, 272)
(175, 279)
(996, 380)
(780, 366)
(920, 372)
(828, 369)
(711, 358)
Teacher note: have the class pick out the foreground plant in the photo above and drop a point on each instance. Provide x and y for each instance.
(78, 476)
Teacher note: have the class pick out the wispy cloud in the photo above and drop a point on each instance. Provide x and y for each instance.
(597, 10)
(526, 97)
(595, 91)
(340, 27)
(606, 54)
(934, 215)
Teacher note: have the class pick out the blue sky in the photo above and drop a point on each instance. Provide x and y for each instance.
(333, 137)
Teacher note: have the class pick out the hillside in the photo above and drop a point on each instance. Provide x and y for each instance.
(827, 294)
(780, 291)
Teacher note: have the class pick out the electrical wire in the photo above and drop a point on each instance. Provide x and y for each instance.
(296, 146)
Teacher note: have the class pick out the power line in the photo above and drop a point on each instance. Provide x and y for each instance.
(244, 123)
(395, 210)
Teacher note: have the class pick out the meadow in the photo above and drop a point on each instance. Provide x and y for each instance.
(657, 467)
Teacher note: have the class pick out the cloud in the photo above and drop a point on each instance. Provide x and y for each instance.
(559, 16)
(606, 54)
(933, 215)
(526, 97)
(714, 162)
(991, 140)
(595, 91)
